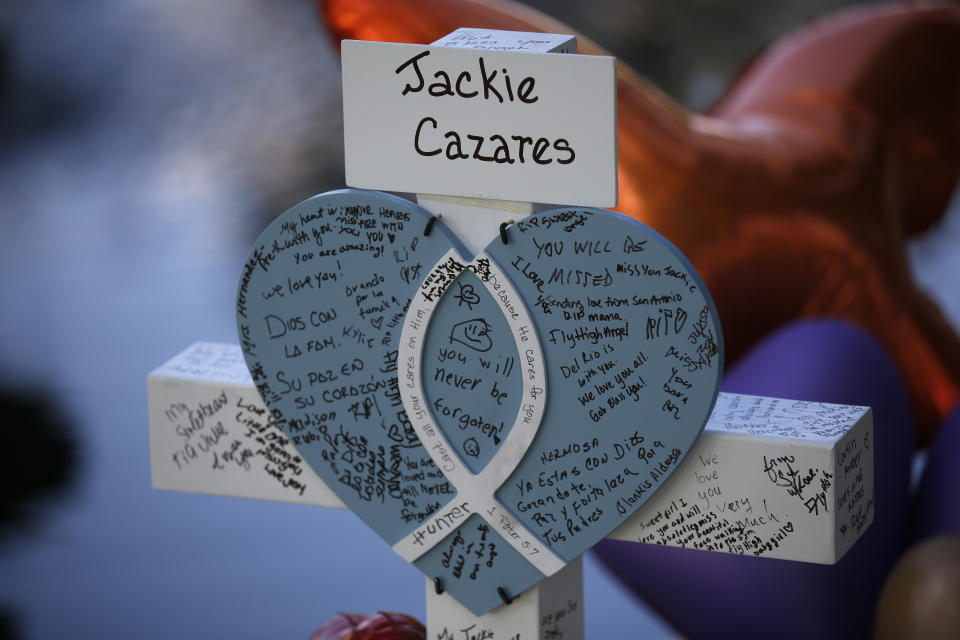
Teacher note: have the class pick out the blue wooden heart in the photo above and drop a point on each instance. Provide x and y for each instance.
(491, 417)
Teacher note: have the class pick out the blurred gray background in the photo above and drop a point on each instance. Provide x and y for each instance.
(143, 146)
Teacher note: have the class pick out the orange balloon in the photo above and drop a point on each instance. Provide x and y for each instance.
(794, 196)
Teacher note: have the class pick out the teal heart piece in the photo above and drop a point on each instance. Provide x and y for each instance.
(494, 416)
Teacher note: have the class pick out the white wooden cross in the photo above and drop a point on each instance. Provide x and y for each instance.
(774, 478)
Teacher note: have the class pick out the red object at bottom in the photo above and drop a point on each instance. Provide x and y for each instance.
(383, 625)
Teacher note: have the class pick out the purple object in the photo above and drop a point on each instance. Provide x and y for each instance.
(716, 595)
(937, 503)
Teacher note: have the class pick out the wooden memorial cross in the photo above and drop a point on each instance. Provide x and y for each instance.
(767, 477)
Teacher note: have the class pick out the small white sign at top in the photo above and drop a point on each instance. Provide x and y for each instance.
(501, 120)
(497, 40)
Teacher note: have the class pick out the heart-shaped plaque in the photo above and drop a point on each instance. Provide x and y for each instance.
(491, 417)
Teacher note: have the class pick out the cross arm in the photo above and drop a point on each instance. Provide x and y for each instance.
(768, 477)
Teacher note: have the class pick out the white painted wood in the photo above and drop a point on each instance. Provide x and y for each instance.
(567, 110)
(731, 494)
(498, 40)
(775, 478)
(211, 433)
(551, 609)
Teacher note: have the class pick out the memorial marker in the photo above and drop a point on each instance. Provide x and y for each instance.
(493, 412)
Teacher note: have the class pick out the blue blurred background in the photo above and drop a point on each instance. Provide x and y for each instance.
(143, 145)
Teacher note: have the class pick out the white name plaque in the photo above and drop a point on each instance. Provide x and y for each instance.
(503, 125)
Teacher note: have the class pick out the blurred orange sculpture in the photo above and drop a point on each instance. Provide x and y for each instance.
(794, 195)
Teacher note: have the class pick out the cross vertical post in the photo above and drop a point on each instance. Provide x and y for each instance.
(554, 607)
